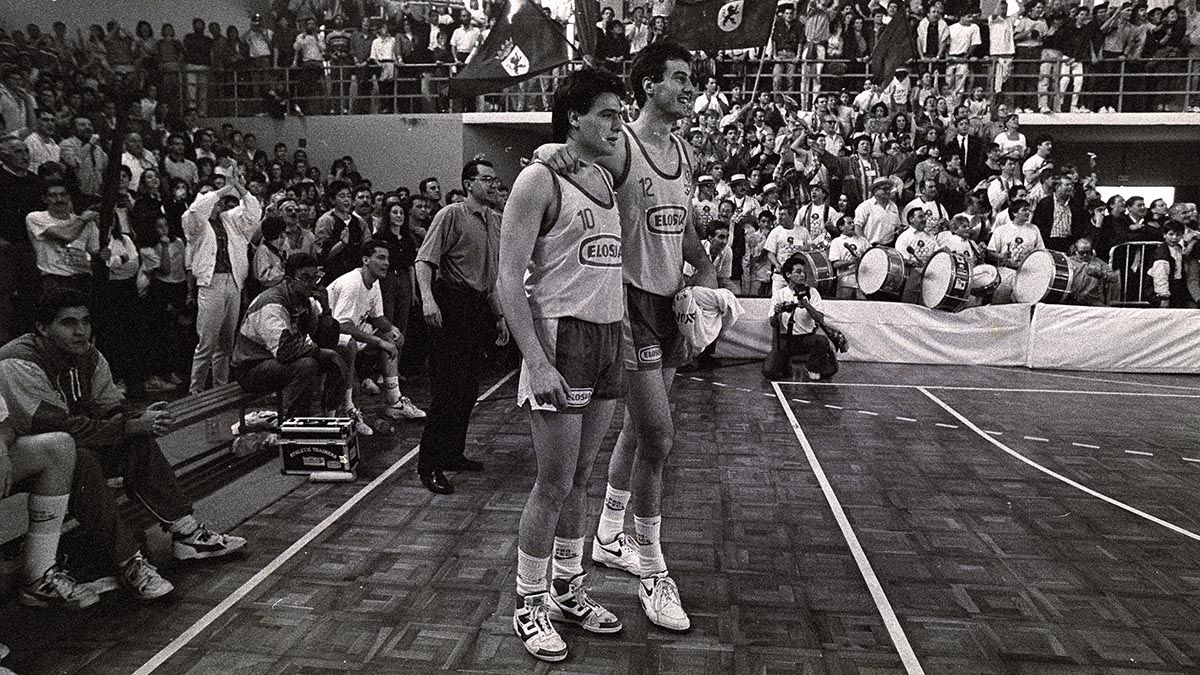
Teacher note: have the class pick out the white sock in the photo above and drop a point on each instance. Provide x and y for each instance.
(649, 548)
(46, 515)
(568, 558)
(349, 402)
(531, 573)
(612, 518)
(391, 389)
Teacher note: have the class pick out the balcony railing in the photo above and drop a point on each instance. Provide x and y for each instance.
(1125, 85)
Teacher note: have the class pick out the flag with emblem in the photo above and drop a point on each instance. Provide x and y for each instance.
(712, 25)
(522, 44)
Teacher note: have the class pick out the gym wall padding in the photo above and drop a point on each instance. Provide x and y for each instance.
(1037, 336)
(894, 332)
(1115, 339)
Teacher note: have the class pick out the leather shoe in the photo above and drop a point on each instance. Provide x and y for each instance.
(464, 464)
(436, 482)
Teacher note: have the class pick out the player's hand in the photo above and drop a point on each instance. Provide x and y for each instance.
(560, 158)
(395, 337)
(433, 315)
(501, 332)
(548, 386)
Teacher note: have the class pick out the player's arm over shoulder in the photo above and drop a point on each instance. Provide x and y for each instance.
(560, 159)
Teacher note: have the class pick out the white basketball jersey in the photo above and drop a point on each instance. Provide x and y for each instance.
(655, 209)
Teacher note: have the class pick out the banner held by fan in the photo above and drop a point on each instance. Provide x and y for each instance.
(713, 25)
(523, 44)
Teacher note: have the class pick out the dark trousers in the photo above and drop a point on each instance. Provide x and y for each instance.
(149, 481)
(306, 386)
(813, 347)
(455, 359)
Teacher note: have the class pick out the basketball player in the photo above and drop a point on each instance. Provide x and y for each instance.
(559, 286)
(651, 168)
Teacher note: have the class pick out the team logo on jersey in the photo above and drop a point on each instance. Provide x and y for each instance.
(649, 354)
(666, 219)
(601, 250)
(730, 16)
(579, 398)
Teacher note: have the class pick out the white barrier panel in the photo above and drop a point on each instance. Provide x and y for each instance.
(894, 332)
(1115, 339)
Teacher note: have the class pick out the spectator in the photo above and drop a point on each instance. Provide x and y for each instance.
(138, 159)
(269, 256)
(340, 231)
(169, 54)
(310, 58)
(1075, 36)
(933, 41)
(877, 219)
(1057, 218)
(1029, 31)
(1093, 281)
(63, 242)
(431, 190)
(1010, 244)
(1167, 269)
(638, 31)
(786, 37)
(218, 226)
(613, 47)
(197, 62)
(84, 159)
(161, 250)
(1002, 44)
(998, 186)
(42, 146)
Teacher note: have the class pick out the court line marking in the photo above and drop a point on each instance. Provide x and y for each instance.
(1053, 474)
(1092, 379)
(1139, 452)
(835, 407)
(1036, 438)
(907, 656)
(1190, 459)
(946, 426)
(1012, 390)
(1085, 445)
(867, 412)
(280, 560)
(905, 419)
(995, 433)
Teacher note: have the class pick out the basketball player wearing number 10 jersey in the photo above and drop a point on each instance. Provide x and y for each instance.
(652, 173)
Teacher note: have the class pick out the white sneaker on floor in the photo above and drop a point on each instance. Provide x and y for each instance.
(57, 589)
(531, 621)
(404, 409)
(369, 386)
(570, 602)
(618, 554)
(204, 543)
(143, 580)
(360, 425)
(660, 601)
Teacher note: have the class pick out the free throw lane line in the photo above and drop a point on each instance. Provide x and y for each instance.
(1053, 474)
(1011, 390)
(280, 560)
(890, 621)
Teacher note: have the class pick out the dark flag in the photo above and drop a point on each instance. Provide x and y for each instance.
(587, 15)
(894, 48)
(712, 25)
(523, 44)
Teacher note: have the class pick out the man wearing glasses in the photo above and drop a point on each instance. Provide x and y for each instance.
(277, 343)
(456, 273)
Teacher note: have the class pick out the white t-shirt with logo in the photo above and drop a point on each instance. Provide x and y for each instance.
(351, 301)
(784, 241)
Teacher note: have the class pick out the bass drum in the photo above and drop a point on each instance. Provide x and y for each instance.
(819, 272)
(1044, 276)
(985, 279)
(947, 282)
(881, 273)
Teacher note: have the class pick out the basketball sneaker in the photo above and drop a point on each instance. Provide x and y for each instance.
(619, 554)
(204, 543)
(143, 580)
(56, 588)
(570, 602)
(360, 424)
(369, 386)
(660, 601)
(531, 621)
(404, 409)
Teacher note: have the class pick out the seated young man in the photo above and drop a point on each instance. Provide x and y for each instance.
(276, 348)
(356, 302)
(795, 317)
(42, 465)
(55, 380)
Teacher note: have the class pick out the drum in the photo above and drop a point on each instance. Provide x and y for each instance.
(947, 282)
(985, 279)
(881, 271)
(1044, 276)
(819, 272)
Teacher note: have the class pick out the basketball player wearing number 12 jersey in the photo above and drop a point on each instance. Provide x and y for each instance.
(652, 172)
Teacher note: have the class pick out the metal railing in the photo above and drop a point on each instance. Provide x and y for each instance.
(1132, 261)
(1055, 85)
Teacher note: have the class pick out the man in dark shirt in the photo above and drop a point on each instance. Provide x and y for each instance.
(22, 192)
(197, 60)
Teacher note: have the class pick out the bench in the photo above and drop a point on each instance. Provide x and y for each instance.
(187, 411)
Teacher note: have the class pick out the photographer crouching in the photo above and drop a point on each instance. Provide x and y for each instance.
(795, 317)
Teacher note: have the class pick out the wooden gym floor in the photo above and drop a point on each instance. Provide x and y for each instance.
(903, 519)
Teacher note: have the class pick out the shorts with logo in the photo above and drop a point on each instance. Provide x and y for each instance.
(586, 354)
(651, 336)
